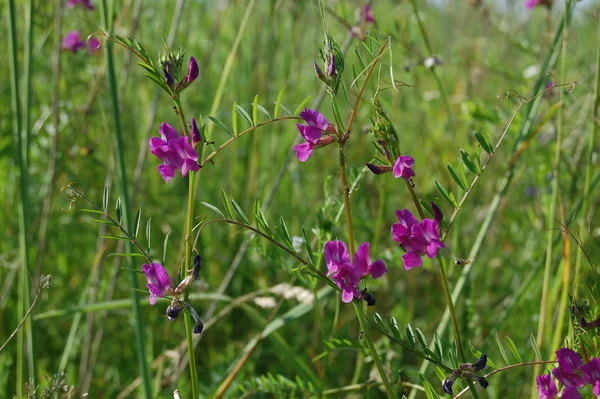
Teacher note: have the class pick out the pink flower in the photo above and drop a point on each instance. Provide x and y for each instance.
(175, 151)
(72, 41)
(347, 274)
(403, 167)
(94, 44)
(568, 371)
(366, 14)
(312, 132)
(84, 3)
(546, 387)
(417, 238)
(159, 282)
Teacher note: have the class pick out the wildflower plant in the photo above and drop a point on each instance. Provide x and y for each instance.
(326, 257)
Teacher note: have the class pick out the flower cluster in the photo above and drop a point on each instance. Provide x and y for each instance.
(312, 133)
(417, 238)
(175, 151)
(346, 273)
(72, 42)
(572, 374)
(466, 371)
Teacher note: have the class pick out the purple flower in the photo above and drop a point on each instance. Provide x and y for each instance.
(159, 282)
(570, 393)
(347, 275)
(331, 67)
(546, 387)
(175, 151)
(336, 256)
(568, 371)
(591, 374)
(312, 132)
(534, 3)
(379, 169)
(193, 71)
(417, 238)
(196, 137)
(403, 167)
(363, 265)
(72, 41)
(85, 3)
(94, 44)
(367, 14)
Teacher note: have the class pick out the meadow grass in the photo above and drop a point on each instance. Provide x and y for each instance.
(524, 223)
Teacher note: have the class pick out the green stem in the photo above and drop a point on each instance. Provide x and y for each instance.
(450, 304)
(430, 54)
(189, 323)
(583, 232)
(369, 339)
(122, 172)
(346, 196)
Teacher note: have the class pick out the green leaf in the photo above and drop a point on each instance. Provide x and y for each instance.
(287, 111)
(513, 349)
(457, 177)
(263, 111)
(136, 223)
(148, 234)
(116, 238)
(239, 212)
(119, 210)
(484, 142)
(220, 124)
(410, 336)
(91, 211)
(378, 321)
(165, 246)
(125, 254)
(104, 222)
(534, 345)
(502, 350)
(308, 248)
(255, 111)
(285, 234)
(234, 120)
(300, 107)
(214, 208)
(227, 204)
(448, 196)
(244, 114)
(395, 328)
(468, 161)
(278, 103)
(261, 221)
(422, 339)
(105, 199)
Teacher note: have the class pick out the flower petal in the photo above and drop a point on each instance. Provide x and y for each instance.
(411, 260)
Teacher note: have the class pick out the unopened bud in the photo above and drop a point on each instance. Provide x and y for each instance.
(379, 169)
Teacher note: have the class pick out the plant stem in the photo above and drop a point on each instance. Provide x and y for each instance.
(189, 323)
(450, 304)
(122, 172)
(346, 196)
(367, 337)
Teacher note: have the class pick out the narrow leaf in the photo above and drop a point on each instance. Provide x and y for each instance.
(395, 328)
(410, 336)
(116, 238)
(125, 254)
(234, 120)
(221, 125)
(484, 142)
(534, 345)
(226, 204)
(287, 111)
(214, 208)
(105, 199)
(92, 211)
(165, 245)
(136, 223)
(457, 178)
(502, 350)
(448, 196)
(468, 161)
(148, 234)
(119, 210)
(278, 103)
(263, 111)
(239, 212)
(302, 105)
(378, 321)
(513, 349)
(308, 247)
(244, 114)
(255, 111)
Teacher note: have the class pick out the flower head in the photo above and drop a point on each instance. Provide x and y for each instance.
(366, 14)
(312, 132)
(568, 371)
(94, 43)
(403, 167)
(159, 282)
(347, 274)
(193, 71)
(546, 387)
(196, 137)
(175, 151)
(72, 41)
(591, 373)
(417, 238)
(84, 3)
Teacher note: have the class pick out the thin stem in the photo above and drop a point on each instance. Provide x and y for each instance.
(450, 304)
(122, 174)
(373, 351)
(189, 323)
(346, 196)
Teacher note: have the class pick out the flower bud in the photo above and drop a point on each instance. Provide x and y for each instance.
(447, 385)
(196, 137)
(320, 74)
(173, 311)
(193, 71)
(198, 327)
(379, 169)
(437, 212)
(331, 67)
(480, 363)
